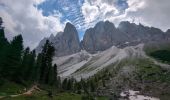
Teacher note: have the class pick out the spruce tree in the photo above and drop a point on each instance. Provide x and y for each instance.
(4, 45)
(59, 84)
(46, 67)
(38, 65)
(55, 74)
(92, 85)
(12, 70)
(69, 84)
(31, 66)
(43, 62)
(25, 64)
(49, 58)
(64, 84)
(84, 86)
(2, 35)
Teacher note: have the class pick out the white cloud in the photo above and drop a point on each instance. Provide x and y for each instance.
(152, 12)
(23, 17)
(97, 10)
(134, 5)
(90, 12)
(148, 12)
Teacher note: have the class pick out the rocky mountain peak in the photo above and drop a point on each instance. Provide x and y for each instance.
(69, 27)
(51, 37)
(101, 37)
(65, 43)
(124, 25)
(70, 30)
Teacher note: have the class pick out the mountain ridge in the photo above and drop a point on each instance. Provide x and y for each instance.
(102, 36)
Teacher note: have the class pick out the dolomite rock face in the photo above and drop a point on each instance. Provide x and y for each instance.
(65, 43)
(140, 33)
(105, 34)
(102, 36)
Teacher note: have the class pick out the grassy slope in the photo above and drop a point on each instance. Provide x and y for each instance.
(162, 55)
(11, 88)
(160, 52)
(44, 96)
(142, 75)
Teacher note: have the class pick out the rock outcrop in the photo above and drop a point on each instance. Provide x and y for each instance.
(105, 34)
(65, 43)
(140, 33)
(102, 36)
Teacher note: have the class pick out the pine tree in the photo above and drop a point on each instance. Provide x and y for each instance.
(51, 76)
(43, 62)
(64, 84)
(55, 74)
(59, 84)
(12, 70)
(46, 67)
(78, 87)
(38, 65)
(92, 85)
(50, 54)
(4, 45)
(25, 64)
(17, 49)
(84, 86)
(31, 66)
(70, 84)
(2, 36)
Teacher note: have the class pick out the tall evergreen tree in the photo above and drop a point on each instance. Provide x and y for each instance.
(84, 86)
(69, 84)
(38, 65)
(12, 69)
(25, 64)
(2, 34)
(31, 66)
(55, 74)
(64, 84)
(46, 67)
(59, 84)
(4, 44)
(92, 85)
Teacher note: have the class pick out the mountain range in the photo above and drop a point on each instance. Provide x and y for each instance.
(103, 36)
(102, 46)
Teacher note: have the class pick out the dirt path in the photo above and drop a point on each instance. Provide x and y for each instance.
(33, 88)
(1, 97)
(29, 92)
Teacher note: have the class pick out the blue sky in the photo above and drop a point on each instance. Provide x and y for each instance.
(36, 19)
(70, 10)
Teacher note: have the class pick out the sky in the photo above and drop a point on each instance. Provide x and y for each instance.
(36, 19)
